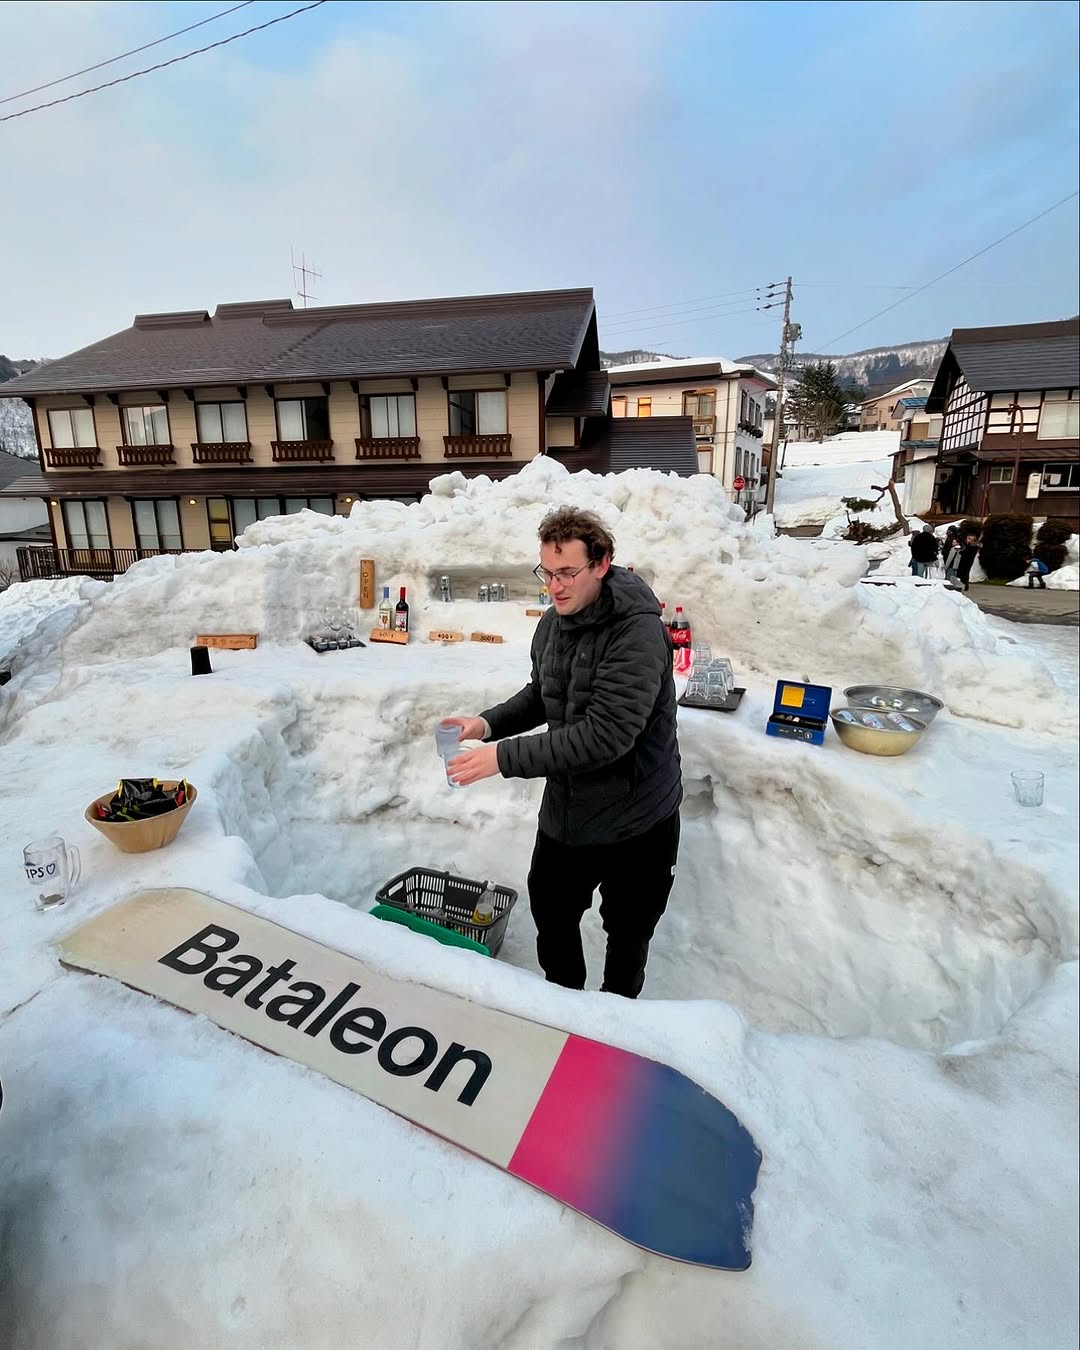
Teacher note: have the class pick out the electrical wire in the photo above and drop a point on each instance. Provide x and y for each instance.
(941, 276)
(624, 325)
(122, 79)
(10, 98)
(679, 304)
(681, 323)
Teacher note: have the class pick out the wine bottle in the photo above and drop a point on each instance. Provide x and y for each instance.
(386, 610)
(401, 614)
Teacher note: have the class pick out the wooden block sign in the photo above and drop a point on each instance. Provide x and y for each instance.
(445, 635)
(232, 642)
(486, 637)
(367, 583)
(389, 635)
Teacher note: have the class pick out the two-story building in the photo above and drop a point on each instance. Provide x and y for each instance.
(1009, 399)
(725, 400)
(880, 413)
(178, 432)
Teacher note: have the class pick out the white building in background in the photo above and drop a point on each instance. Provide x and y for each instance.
(23, 520)
(915, 463)
(726, 401)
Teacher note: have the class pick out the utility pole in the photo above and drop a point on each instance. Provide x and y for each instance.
(788, 334)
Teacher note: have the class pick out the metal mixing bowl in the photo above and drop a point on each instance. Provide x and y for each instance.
(910, 701)
(871, 740)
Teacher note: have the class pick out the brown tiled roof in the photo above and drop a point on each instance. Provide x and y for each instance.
(579, 393)
(618, 443)
(268, 341)
(1014, 357)
(362, 480)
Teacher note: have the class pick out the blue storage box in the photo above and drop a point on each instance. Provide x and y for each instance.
(800, 711)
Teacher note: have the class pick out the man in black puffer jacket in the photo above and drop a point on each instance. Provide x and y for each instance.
(602, 682)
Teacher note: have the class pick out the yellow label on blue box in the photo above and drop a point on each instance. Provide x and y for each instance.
(792, 696)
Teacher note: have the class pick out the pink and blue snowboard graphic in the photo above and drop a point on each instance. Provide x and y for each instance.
(645, 1152)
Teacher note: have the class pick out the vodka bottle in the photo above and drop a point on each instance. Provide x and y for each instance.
(401, 613)
(386, 610)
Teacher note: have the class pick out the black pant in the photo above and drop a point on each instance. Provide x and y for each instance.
(635, 877)
(1033, 579)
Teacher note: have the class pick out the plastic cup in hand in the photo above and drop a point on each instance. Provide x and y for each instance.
(52, 869)
(1028, 787)
(448, 745)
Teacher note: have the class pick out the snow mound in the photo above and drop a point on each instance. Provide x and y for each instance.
(817, 475)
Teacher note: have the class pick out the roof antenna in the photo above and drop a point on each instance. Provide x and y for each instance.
(306, 273)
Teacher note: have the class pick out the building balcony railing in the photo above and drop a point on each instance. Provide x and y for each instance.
(138, 456)
(221, 452)
(73, 457)
(705, 426)
(388, 447)
(302, 452)
(42, 563)
(927, 444)
(477, 447)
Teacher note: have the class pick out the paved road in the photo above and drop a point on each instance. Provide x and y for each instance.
(1061, 608)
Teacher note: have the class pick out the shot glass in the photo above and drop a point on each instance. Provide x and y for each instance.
(1028, 786)
(448, 746)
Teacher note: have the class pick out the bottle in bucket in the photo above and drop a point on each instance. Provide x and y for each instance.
(484, 912)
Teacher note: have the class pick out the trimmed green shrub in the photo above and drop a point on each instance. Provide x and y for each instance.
(1006, 545)
(1054, 532)
(1053, 555)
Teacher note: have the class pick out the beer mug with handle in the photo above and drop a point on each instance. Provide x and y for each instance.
(52, 869)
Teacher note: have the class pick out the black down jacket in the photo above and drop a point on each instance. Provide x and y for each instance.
(602, 682)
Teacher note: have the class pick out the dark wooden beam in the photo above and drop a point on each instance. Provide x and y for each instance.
(354, 385)
(163, 395)
(114, 399)
(88, 399)
(241, 389)
(324, 385)
(445, 382)
(414, 382)
(269, 391)
(189, 394)
(506, 377)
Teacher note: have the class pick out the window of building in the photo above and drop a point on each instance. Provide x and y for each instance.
(644, 407)
(618, 405)
(387, 415)
(157, 524)
(699, 403)
(899, 472)
(738, 462)
(86, 524)
(303, 419)
(1000, 473)
(148, 425)
(217, 423)
(1060, 415)
(477, 413)
(1061, 477)
(230, 516)
(1013, 414)
(72, 426)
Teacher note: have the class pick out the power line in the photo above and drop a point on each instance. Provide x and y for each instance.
(706, 310)
(122, 79)
(919, 289)
(681, 323)
(10, 98)
(679, 304)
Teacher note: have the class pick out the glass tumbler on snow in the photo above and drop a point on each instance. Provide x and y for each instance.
(448, 746)
(1028, 788)
(52, 869)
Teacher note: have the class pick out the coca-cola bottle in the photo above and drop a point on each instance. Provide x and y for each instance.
(681, 639)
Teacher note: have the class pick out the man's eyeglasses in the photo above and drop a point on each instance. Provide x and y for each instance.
(564, 576)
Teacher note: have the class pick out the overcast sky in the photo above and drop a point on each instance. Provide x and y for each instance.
(665, 155)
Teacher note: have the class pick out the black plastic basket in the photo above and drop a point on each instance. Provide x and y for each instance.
(449, 900)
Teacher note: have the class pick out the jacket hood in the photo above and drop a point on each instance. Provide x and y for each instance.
(623, 595)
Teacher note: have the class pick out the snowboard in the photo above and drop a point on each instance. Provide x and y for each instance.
(626, 1141)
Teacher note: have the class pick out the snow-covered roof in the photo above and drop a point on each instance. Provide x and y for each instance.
(908, 384)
